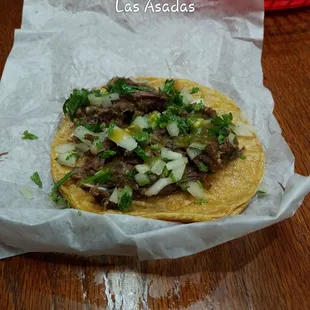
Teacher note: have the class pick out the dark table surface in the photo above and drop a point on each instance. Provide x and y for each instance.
(268, 269)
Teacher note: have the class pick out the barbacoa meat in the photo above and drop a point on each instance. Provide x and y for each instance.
(122, 163)
(91, 166)
(128, 106)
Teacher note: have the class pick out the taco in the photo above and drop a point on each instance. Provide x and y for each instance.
(163, 149)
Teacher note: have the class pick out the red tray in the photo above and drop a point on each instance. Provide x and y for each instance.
(284, 4)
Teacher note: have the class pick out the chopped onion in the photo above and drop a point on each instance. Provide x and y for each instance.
(245, 130)
(63, 148)
(93, 149)
(173, 129)
(106, 102)
(187, 97)
(80, 132)
(26, 192)
(154, 118)
(114, 96)
(170, 155)
(114, 196)
(177, 173)
(158, 166)
(198, 100)
(200, 122)
(231, 138)
(142, 122)
(142, 168)
(101, 136)
(96, 147)
(142, 179)
(82, 147)
(196, 189)
(66, 160)
(157, 186)
(123, 139)
(176, 163)
(98, 187)
(192, 153)
(198, 146)
(95, 100)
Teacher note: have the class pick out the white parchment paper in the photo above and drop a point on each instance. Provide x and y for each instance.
(65, 44)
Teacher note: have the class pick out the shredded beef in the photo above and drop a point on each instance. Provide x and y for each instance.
(122, 164)
(91, 166)
(158, 136)
(170, 189)
(129, 81)
(208, 112)
(89, 137)
(96, 192)
(121, 112)
(147, 101)
(149, 105)
(227, 150)
(74, 139)
(120, 170)
(191, 173)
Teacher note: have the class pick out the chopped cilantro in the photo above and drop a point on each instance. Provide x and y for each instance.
(242, 157)
(201, 201)
(141, 153)
(154, 119)
(111, 129)
(92, 127)
(198, 106)
(99, 145)
(72, 155)
(172, 93)
(125, 199)
(202, 167)
(183, 123)
(79, 213)
(155, 147)
(131, 175)
(54, 195)
(224, 120)
(60, 201)
(36, 179)
(100, 177)
(98, 93)
(29, 136)
(141, 136)
(183, 181)
(198, 132)
(221, 139)
(166, 172)
(261, 193)
(107, 154)
(121, 87)
(199, 184)
(102, 126)
(169, 88)
(78, 99)
(194, 90)
(220, 127)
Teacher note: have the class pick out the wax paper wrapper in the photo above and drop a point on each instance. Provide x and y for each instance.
(66, 44)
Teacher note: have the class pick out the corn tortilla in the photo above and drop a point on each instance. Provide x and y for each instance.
(232, 187)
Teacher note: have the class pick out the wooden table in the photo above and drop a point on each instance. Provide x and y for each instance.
(269, 269)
